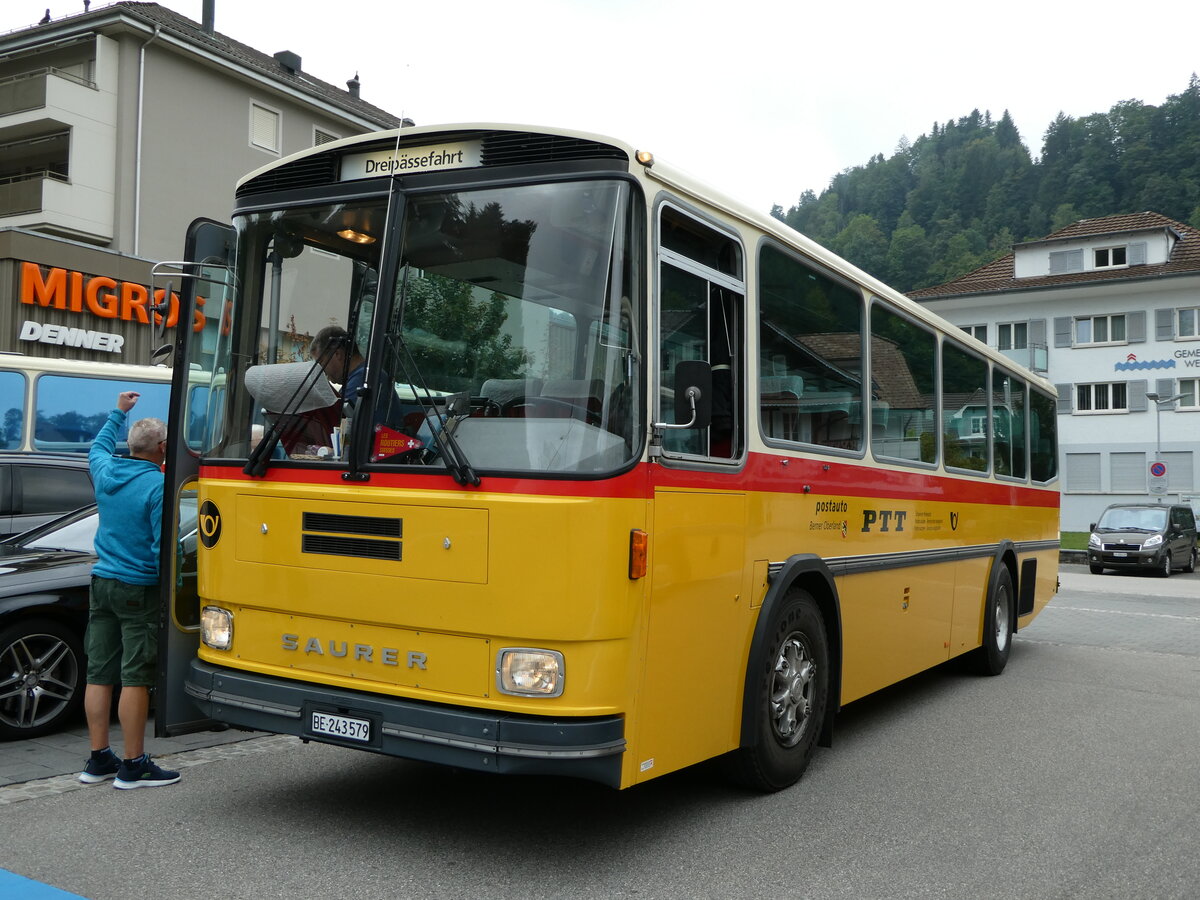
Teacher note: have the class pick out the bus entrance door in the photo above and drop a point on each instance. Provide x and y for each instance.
(187, 525)
(694, 670)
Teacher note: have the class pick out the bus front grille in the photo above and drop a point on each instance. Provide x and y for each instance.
(373, 526)
(362, 548)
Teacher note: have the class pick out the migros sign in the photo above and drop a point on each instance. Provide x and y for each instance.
(90, 296)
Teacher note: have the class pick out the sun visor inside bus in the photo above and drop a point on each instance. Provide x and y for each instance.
(290, 387)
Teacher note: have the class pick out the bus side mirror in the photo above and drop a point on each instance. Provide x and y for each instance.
(693, 394)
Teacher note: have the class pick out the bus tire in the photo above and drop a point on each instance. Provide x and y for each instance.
(791, 696)
(992, 657)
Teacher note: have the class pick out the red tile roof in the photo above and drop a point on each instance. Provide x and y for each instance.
(997, 276)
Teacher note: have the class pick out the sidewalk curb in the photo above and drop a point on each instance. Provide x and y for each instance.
(61, 784)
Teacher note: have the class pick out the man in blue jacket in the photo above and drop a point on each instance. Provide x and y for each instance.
(122, 634)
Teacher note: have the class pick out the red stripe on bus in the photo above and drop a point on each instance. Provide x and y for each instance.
(763, 473)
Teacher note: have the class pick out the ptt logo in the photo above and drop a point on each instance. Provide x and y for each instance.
(882, 520)
(209, 524)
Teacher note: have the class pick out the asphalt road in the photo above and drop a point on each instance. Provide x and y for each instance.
(1072, 775)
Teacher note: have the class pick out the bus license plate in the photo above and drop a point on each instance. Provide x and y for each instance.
(341, 726)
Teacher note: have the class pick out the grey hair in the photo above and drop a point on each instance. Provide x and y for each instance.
(144, 435)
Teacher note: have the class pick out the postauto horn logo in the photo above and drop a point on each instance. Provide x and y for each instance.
(209, 524)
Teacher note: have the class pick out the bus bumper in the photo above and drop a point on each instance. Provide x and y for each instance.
(505, 743)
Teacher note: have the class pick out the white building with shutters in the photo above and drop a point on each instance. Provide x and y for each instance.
(1109, 310)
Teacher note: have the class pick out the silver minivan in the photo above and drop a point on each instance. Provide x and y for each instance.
(1152, 537)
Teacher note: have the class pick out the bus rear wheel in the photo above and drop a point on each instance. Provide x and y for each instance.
(992, 657)
(791, 694)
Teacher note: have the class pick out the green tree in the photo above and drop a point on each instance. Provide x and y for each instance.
(863, 243)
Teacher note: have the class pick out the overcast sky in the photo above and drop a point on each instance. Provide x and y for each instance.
(762, 98)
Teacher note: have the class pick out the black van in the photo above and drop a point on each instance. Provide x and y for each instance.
(1149, 536)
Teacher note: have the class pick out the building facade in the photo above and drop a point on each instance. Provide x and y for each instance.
(118, 127)
(1109, 310)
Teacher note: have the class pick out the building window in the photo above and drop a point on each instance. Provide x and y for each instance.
(1109, 257)
(1189, 322)
(1100, 329)
(264, 128)
(979, 332)
(1189, 393)
(1101, 398)
(1012, 336)
(324, 137)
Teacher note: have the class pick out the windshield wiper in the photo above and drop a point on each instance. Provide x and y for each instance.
(451, 451)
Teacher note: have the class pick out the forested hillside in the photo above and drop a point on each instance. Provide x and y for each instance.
(961, 196)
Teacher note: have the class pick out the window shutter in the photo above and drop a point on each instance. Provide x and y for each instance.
(1164, 324)
(1064, 262)
(323, 137)
(1136, 254)
(264, 128)
(1135, 395)
(1062, 331)
(1064, 399)
(1083, 472)
(1127, 472)
(1037, 332)
(1135, 327)
(1165, 387)
(1180, 467)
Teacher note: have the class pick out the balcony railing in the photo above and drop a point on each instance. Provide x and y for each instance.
(20, 194)
(1035, 357)
(28, 89)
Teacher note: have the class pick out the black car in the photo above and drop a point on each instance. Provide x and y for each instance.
(1151, 537)
(45, 574)
(38, 487)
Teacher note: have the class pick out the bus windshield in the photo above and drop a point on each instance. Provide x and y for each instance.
(512, 323)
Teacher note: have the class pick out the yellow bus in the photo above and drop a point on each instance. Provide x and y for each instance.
(598, 473)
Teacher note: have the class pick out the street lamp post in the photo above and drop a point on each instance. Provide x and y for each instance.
(1158, 405)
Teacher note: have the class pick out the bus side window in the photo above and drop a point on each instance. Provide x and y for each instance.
(703, 316)
(12, 387)
(810, 354)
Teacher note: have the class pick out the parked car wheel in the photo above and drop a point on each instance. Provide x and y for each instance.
(1164, 567)
(42, 677)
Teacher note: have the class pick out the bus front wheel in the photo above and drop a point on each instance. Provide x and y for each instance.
(791, 695)
(992, 657)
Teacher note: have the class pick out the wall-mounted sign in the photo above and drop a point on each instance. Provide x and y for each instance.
(65, 336)
(98, 297)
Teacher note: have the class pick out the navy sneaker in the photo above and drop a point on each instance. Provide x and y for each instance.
(96, 770)
(142, 772)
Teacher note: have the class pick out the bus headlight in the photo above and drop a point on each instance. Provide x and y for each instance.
(216, 627)
(528, 672)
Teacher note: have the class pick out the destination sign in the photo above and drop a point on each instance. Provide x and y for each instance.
(411, 160)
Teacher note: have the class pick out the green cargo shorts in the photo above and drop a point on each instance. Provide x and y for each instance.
(121, 641)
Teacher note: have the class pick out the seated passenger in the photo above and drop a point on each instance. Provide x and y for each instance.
(335, 352)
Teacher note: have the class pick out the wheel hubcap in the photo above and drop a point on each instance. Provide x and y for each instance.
(792, 686)
(1003, 626)
(38, 678)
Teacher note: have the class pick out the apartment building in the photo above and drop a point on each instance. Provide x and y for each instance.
(1109, 310)
(119, 126)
